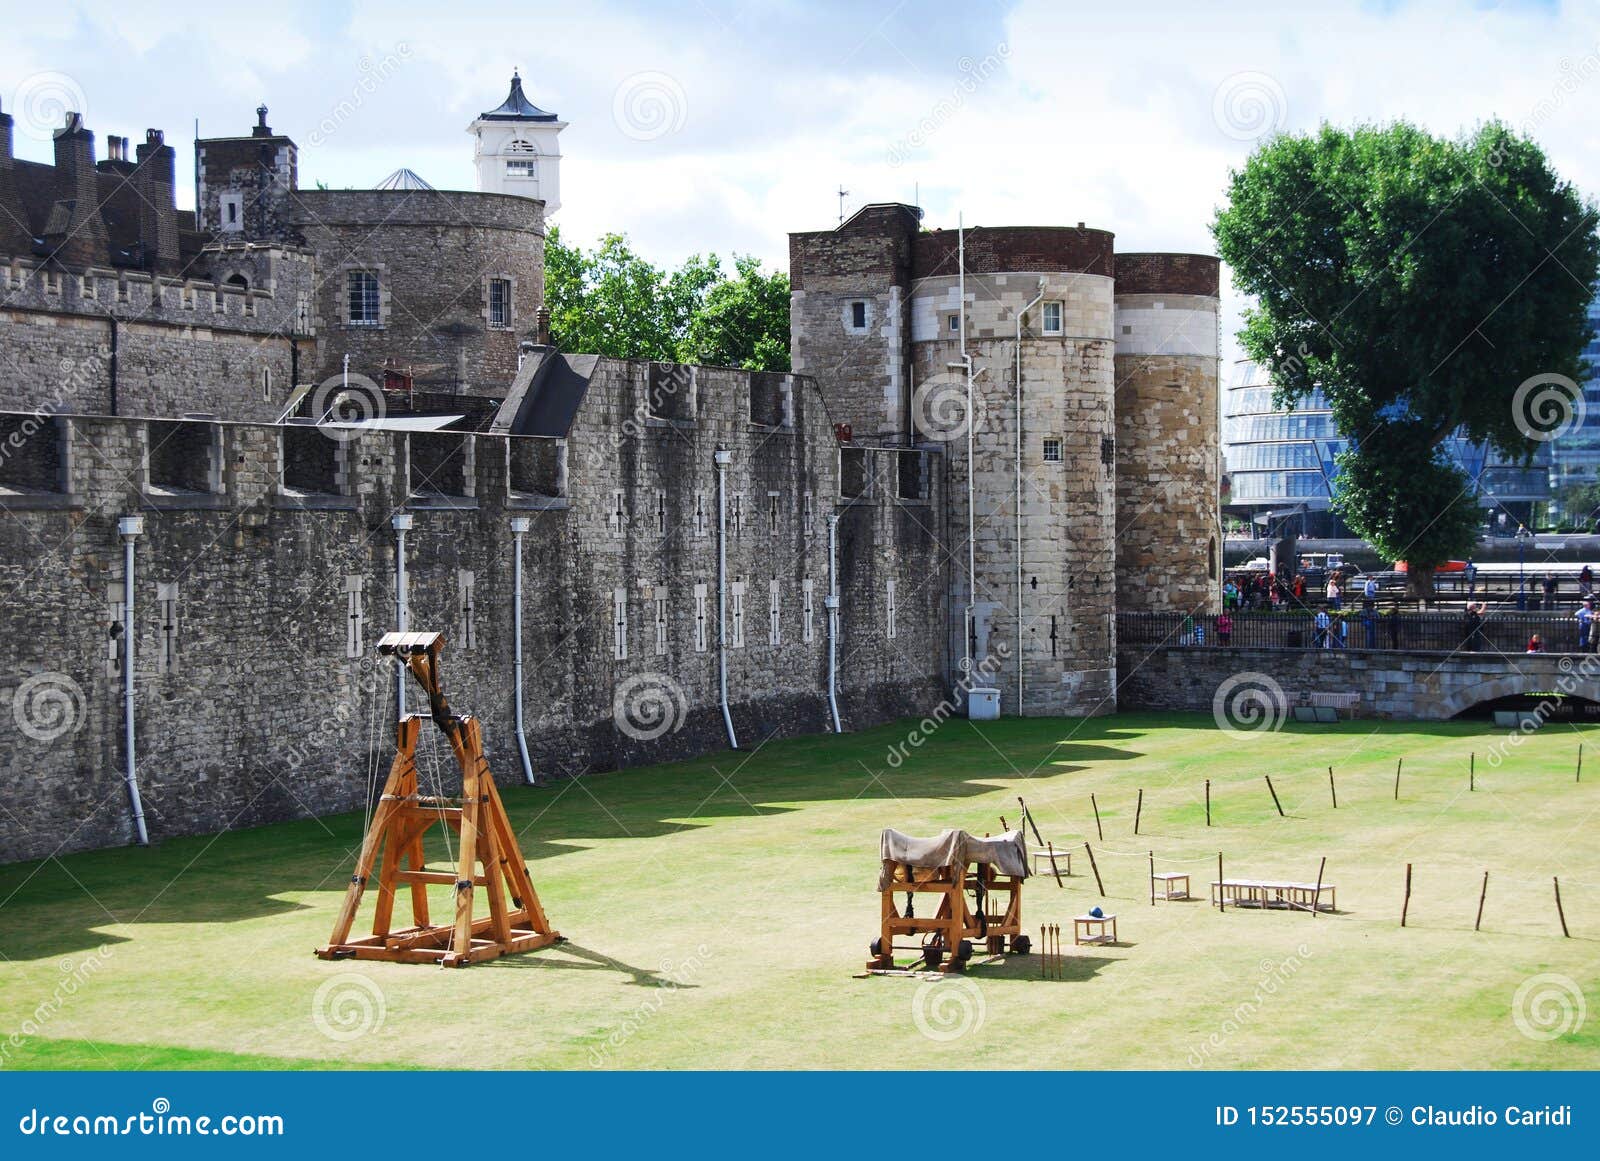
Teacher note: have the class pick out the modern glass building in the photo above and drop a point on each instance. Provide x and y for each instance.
(1283, 461)
(1575, 457)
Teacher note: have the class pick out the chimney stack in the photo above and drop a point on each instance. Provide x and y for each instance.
(76, 232)
(158, 207)
(541, 326)
(16, 237)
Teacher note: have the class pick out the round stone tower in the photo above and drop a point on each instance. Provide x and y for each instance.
(1036, 620)
(1168, 477)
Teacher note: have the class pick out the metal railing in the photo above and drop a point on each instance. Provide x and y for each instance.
(1497, 632)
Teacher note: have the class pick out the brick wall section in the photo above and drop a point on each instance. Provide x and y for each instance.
(1003, 249)
(264, 717)
(1169, 274)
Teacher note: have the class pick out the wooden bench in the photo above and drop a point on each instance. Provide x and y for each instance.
(1273, 894)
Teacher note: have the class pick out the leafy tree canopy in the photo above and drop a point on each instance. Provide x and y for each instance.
(611, 301)
(1419, 283)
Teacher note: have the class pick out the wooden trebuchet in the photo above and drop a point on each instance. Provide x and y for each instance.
(489, 856)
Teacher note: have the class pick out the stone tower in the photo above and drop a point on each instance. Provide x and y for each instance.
(247, 184)
(1169, 541)
(879, 317)
(515, 149)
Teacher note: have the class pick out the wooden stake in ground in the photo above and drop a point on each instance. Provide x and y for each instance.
(1579, 778)
(1027, 819)
(1208, 802)
(1274, 794)
(1559, 912)
(1332, 789)
(1099, 886)
(1222, 890)
(1484, 894)
(1472, 770)
(1152, 878)
(1398, 762)
(1405, 904)
(1316, 900)
(1098, 830)
(1050, 847)
(1044, 950)
(1138, 811)
(1003, 827)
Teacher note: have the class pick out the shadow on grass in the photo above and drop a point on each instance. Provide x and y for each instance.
(586, 960)
(64, 904)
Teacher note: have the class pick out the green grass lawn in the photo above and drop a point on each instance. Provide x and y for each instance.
(718, 912)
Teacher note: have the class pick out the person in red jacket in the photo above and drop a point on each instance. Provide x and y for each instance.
(1224, 628)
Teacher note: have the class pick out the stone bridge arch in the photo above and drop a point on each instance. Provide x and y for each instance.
(1469, 685)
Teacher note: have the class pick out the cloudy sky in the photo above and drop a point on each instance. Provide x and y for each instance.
(720, 126)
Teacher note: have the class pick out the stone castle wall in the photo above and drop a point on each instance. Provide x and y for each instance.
(434, 253)
(265, 574)
(1168, 435)
(101, 341)
(1060, 622)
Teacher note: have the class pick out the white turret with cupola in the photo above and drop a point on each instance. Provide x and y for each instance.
(516, 151)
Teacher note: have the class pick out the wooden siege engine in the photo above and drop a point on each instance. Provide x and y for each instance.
(487, 856)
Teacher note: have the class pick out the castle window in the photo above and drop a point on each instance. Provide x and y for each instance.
(1052, 318)
(700, 514)
(500, 303)
(858, 315)
(772, 513)
(466, 584)
(660, 595)
(909, 484)
(266, 384)
(363, 299)
(524, 167)
(775, 614)
(619, 624)
(238, 282)
(354, 619)
(167, 600)
(807, 611)
(736, 518)
(737, 610)
(952, 322)
(1053, 453)
(809, 513)
(852, 473)
(230, 208)
(702, 633)
(890, 610)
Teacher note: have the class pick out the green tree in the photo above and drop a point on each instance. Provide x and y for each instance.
(744, 321)
(612, 301)
(1420, 284)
